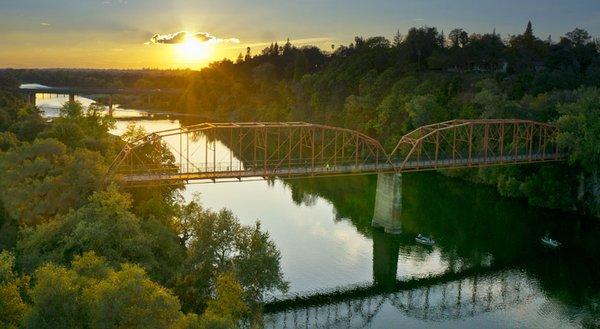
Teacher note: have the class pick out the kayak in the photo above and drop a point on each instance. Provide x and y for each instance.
(425, 240)
(550, 242)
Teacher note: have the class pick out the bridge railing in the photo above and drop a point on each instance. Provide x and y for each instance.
(297, 165)
(297, 148)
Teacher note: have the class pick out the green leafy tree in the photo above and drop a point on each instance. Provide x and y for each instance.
(129, 299)
(41, 179)
(424, 110)
(228, 307)
(93, 295)
(579, 125)
(106, 226)
(8, 140)
(219, 244)
(28, 123)
(55, 300)
(87, 128)
(458, 38)
(12, 306)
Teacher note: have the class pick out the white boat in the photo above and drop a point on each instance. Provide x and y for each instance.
(546, 240)
(428, 241)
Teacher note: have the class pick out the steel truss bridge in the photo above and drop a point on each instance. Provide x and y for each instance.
(211, 151)
(444, 297)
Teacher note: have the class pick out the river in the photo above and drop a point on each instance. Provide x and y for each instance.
(487, 269)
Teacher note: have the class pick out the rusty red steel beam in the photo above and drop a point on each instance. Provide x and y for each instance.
(457, 141)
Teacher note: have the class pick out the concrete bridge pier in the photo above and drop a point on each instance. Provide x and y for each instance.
(71, 98)
(388, 203)
(31, 99)
(110, 105)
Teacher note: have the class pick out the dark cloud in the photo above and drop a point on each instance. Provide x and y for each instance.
(182, 36)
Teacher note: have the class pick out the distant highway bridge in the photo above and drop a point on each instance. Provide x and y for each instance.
(32, 91)
(299, 149)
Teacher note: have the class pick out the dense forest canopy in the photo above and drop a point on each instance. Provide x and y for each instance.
(75, 239)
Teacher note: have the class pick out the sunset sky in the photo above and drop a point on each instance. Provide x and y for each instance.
(119, 33)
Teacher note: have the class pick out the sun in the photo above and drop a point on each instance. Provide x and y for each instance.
(192, 51)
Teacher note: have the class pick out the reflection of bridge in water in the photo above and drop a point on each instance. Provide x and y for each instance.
(455, 293)
(447, 296)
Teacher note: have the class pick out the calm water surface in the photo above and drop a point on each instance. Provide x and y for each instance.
(488, 268)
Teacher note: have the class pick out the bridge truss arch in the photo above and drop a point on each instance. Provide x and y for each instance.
(237, 150)
(471, 143)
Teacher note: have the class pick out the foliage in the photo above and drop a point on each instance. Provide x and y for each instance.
(580, 128)
(12, 306)
(92, 295)
(104, 225)
(217, 243)
(88, 129)
(228, 306)
(41, 179)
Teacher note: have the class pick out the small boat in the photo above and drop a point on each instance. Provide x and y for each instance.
(546, 240)
(428, 241)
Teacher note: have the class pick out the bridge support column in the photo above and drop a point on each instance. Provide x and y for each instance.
(110, 105)
(31, 99)
(71, 98)
(388, 203)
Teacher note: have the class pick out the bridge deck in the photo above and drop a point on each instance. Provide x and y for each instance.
(321, 170)
(94, 91)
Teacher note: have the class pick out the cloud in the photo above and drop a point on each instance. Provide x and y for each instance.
(182, 36)
(45, 24)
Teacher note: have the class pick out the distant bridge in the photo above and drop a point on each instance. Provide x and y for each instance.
(297, 149)
(32, 91)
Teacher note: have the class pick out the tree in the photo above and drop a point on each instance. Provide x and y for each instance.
(28, 124)
(92, 295)
(41, 180)
(8, 140)
(128, 298)
(88, 129)
(421, 42)
(219, 244)
(12, 306)
(528, 34)
(106, 226)
(398, 38)
(578, 37)
(55, 300)
(458, 38)
(579, 125)
(527, 50)
(228, 308)
(257, 264)
(424, 110)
